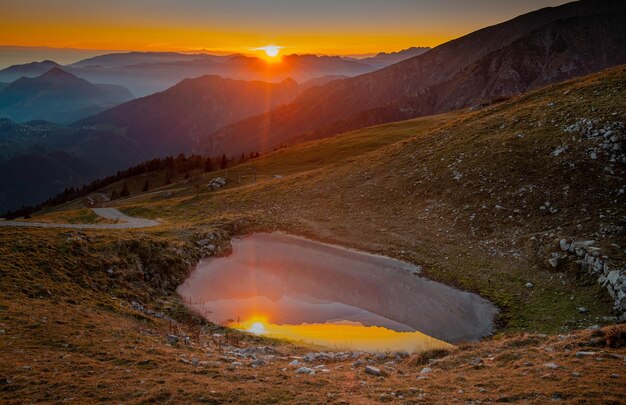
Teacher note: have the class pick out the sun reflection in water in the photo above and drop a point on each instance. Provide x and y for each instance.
(345, 335)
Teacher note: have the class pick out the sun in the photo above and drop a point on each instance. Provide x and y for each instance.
(271, 51)
(257, 328)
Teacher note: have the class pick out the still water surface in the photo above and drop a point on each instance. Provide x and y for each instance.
(297, 289)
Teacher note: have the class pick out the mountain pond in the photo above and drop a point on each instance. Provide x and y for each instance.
(292, 288)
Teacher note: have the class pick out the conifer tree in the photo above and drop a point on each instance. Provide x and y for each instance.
(208, 165)
(124, 192)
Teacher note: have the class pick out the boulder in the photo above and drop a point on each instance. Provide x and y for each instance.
(305, 370)
(426, 370)
(372, 370)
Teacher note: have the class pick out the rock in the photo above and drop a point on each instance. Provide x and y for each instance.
(257, 363)
(385, 398)
(357, 363)
(612, 278)
(554, 259)
(217, 183)
(551, 365)
(476, 361)
(172, 339)
(582, 354)
(614, 375)
(576, 374)
(529, 285)
(203, 242)
(403, 354)
(582, 310)
(305, 370)
(564, 245)
(372, 370)
(294, 363)
(381, 357)
(426, 370)
(559, 150)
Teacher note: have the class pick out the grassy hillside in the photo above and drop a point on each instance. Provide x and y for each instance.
(463, 195)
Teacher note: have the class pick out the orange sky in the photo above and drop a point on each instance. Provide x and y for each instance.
(322, 26)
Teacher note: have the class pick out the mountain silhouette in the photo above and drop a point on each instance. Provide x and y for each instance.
(57, 96)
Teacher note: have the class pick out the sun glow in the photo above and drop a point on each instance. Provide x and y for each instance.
(271, 51)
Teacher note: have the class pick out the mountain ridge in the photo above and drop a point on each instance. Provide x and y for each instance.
(58, 96)
(401, 91)
(194, 106)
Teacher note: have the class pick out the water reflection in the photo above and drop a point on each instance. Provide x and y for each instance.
(288, 287)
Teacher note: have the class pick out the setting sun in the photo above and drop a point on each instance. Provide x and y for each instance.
(271, 51)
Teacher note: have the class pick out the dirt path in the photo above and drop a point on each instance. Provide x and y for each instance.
(126, 222)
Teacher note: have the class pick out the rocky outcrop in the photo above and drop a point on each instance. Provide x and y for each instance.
(591, 260)
(610, 138)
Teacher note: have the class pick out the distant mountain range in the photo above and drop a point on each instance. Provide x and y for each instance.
(145, 73)
(31, 69)
(113, 60)
(57, 96)
(384, 59)
(533, 50)
(177, 119)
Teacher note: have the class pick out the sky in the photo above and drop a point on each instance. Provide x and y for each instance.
(345, 27)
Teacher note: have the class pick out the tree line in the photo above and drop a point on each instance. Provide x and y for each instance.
(180, 164)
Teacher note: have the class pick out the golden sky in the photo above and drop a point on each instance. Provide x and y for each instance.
(322, 26)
